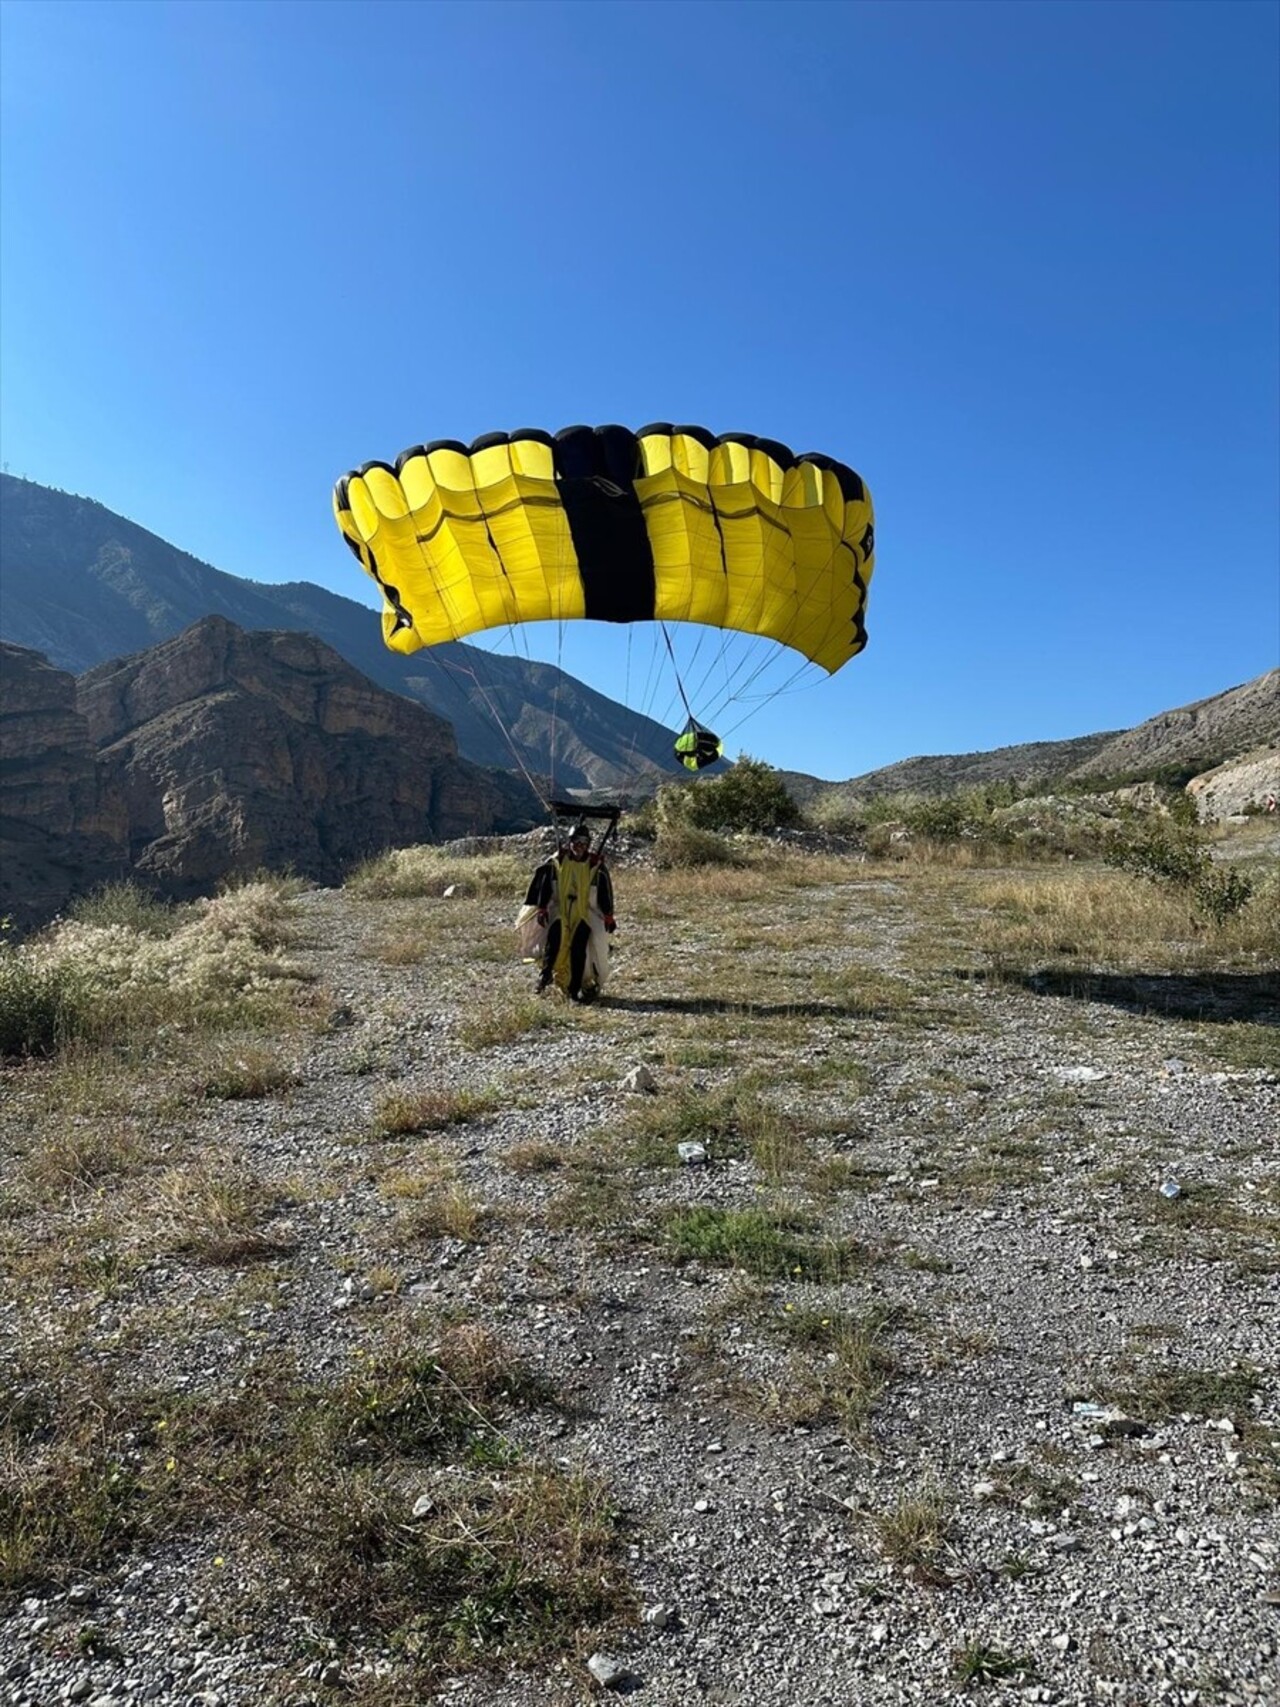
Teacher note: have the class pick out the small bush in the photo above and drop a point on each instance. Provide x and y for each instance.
(751, 797)
(223, 963)
(126, 904)
(41, 1006)
(683, 846)
(1176, 853)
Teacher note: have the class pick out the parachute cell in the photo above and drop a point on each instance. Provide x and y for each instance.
(670, 524)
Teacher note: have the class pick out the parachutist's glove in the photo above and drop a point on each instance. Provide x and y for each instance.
(542, 915)
(610, 923)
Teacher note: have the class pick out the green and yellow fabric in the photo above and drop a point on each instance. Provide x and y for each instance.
(697, 747)
(670, 523)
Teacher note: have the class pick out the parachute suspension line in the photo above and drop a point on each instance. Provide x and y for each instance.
(626, 700)
(449, 668)
(676, 668)
(520, 646)
(654, 677)
(793, 640)
(468, 673)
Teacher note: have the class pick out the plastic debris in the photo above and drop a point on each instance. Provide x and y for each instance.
(1171, 1189)
(692, 1155)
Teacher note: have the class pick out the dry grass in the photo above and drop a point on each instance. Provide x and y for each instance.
(409, 873)
(838, 1369)
(80, 1154)
(505, 1018)
(218, 1211)
(238, 1072)
(308, 1488)
(916, 1535)
(1103, 917)
(402, 1112)
(433, 1202)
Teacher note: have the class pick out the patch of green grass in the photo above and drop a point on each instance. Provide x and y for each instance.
(977, 1663)
(839, 1369)
(596, 1200)
(41, 1006)
(770, 1244)
(1036, 1490)
(1242, 1044)
(1166, 1393)
(865, 991)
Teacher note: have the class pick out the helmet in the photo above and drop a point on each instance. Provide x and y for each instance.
(579, 833)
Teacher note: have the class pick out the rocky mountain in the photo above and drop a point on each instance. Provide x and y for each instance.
(221, 752)
(1173, 746)
(1193, 738)
(82, 585)
(63, 824)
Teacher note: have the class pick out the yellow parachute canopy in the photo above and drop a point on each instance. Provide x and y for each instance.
(670, 524)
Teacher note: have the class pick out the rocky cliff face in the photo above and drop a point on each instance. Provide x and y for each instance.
(63, 825)
(1243, 785)
(235, 751)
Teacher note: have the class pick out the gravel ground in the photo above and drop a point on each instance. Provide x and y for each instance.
(1011, 1151)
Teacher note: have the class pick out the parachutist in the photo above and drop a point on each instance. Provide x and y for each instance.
(570, 904)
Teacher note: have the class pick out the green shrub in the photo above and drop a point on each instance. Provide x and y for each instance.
(40, 1005)
(751, 797)
(1173, 852)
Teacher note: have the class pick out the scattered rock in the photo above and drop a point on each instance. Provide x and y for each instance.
(639, 1079)
(608, 1672)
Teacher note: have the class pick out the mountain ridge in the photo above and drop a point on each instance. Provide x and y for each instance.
(85, 586)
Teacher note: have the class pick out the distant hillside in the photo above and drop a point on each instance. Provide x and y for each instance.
(1194, 738)
(83, 586)
(1174, 745)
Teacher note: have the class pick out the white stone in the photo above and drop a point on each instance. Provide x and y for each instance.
(638, 1079)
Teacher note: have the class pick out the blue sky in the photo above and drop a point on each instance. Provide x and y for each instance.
(1018, 264)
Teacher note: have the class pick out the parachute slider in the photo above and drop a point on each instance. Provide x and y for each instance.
(576, 813)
